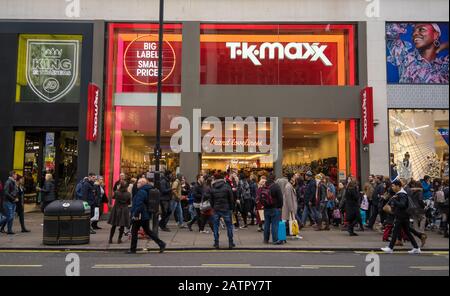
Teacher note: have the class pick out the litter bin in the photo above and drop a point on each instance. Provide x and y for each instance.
(67, 222)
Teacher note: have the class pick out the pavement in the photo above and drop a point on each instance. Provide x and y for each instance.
(183, 239)
(238, 263)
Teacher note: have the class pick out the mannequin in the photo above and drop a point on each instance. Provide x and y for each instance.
(406, 167)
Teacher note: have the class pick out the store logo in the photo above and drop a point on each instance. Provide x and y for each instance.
(292, 51)
(52, 67)
(365, 124)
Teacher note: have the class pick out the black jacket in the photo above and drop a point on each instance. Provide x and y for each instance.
(351, 200)
(88, 191)
(310, 192)
(48, 192)
(10, 190)
(198, 193)
(165, 189)
(277, 195)
(221, 196)
(399, 203)
(377, 194)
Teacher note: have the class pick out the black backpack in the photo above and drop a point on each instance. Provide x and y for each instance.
(154, 197)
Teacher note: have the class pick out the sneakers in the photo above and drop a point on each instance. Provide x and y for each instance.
(423, 239)
(231, 246)
(216, 246)
(204, 231)
(260, 229)
(415, 251)
(353, 234)
(243, 227)
(387, 250)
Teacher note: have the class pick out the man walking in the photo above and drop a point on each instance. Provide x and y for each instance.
(176, 201)
(310, 200)
(399, 203)
(165, 200)
(9, 203)
(141, 218)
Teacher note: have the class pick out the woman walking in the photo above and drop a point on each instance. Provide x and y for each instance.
(120, 215)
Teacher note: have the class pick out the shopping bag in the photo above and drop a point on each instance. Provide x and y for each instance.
(293, 226)
(282, 231)
(96, 214)
(261, 215)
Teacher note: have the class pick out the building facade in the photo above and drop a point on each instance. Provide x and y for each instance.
(210, 65)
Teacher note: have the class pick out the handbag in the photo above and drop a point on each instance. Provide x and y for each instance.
(96, 215)
(387, 209)
(293, 226)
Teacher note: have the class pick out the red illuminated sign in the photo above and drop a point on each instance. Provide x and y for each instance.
(277, 54)
(367, 127)
(141, 60)
(93, 109)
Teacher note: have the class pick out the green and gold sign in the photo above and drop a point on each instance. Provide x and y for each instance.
(52, 67)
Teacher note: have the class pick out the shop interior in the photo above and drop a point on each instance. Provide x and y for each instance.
(38, 152)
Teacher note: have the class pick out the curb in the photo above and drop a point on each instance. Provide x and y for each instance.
(74, 249)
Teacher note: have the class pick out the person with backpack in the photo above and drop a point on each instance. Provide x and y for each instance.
(154, 200)
(399, 204)
(166, 197)
(140, 217)
(222, 201)
(271, 197)
(120, 215)
(197, 195)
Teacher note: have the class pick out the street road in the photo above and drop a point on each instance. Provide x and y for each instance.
(222, 263)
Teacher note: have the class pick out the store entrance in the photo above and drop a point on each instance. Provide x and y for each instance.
(38, 152)
(321, 146)
(259, 164)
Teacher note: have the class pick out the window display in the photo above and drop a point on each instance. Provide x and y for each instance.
(417, 143)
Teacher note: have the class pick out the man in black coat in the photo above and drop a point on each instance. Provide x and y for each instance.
(310, 199)
(376, 199)
(222, 201)
(399, 204)
(89, 196)
(166, 196)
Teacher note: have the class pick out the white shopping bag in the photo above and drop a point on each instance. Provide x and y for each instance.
(96, 215)
(261, 215)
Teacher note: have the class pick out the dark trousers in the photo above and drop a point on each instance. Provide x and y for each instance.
(145, 224)
(113, 230)
(165, 213)
(21, 214)
(373, 215)
(155, 222)
(248, 207)
(400, 225)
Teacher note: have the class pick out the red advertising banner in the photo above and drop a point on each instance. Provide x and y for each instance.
(93, 109)
(367, 126)
(135, 58)
(277, 54)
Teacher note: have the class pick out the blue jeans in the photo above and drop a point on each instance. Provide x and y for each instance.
(271, 218)
(10, 209)
(175, 207)
(310, 210)
(226, 215)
